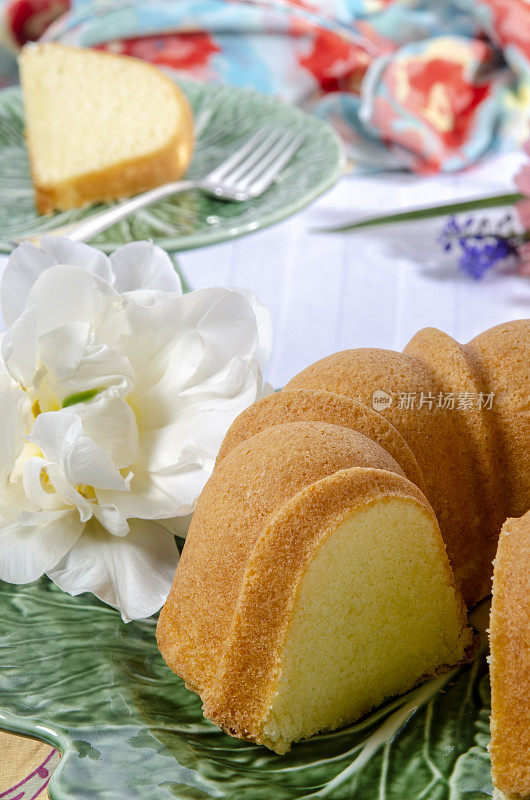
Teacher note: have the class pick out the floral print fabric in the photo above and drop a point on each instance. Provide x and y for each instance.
(417, 84)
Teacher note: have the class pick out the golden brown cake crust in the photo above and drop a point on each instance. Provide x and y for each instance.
(503, 353)
(321, 406)
(255, 480)
(510, 660)
(273, 573)
(458, 371)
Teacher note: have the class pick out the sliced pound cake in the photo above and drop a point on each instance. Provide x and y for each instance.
(100, 126)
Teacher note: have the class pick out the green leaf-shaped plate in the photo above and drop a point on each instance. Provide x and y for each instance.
(74, 675)
(224, 117)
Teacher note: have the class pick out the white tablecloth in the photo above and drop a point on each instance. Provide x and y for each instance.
(372, 288)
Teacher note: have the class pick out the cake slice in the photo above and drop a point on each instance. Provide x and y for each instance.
(100, 126)
(510, 662)
(313, 584)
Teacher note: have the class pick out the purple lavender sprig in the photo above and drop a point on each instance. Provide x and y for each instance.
(480, 246)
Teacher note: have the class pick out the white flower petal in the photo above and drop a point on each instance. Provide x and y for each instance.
(159, 323)
(132, 573)
(3, 368)
(264, 323)
(110, 422)
(156, 398)
(33, 487)
(198, 429)
(221, 318)
(54, 433)
(60, 296)
(15, 419)
(101, 368)
(142, 501)
(59, 434)
(63, 251)
(21, 271)
(88, 464)
(111, 519)
(237, 378)
(27, 262)
(183, 484)
(146, 297)
(13, 502)
(143, 265)
(227, 326)
(20, 347)
(211, 334)
(67, 493)
(31, 547)
(169, 493)
(98, 367)
(71, 364)
(223, 397)
(69, 294)
(62, 349)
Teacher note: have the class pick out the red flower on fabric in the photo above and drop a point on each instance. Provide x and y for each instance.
(28, 19)
(452, 112)
(440, 97)
(183, 51)
(336, 64)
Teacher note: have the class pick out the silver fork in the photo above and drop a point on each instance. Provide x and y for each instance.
(244, 175)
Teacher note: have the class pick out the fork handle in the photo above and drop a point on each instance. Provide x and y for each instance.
(97, 223)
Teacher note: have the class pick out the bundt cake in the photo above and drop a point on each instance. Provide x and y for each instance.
(314, 581)
(510, 662)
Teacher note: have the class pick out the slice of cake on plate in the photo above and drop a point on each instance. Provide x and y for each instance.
(100, 126)
(314, 584)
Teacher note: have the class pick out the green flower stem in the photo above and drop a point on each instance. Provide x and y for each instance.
(428, 212)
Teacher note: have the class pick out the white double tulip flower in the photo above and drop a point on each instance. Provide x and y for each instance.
(115, 393)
